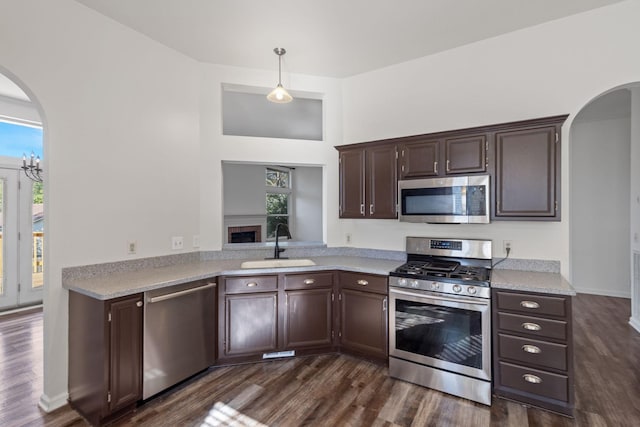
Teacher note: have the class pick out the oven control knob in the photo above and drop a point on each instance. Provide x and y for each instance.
(435, 286)
(471, 290)
(414, 283)
(457, 288)
(402, 282)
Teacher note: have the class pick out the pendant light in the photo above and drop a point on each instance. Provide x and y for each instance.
(279, 94)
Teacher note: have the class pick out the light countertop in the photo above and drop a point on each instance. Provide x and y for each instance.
(531, 281)
(120, 284)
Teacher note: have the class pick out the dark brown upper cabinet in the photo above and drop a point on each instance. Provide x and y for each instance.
(368, 181)
(465, 155)
(444, 154)
(527, 171)
(419, 158)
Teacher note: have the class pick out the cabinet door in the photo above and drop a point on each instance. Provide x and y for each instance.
(419, 159)
(251, 325)
(381, 181)
(364, 322)
(527, 173)
(308, 318)
(352, 183)
(466, 154)
(125, 354)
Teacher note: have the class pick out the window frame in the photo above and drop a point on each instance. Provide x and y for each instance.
(289, 191)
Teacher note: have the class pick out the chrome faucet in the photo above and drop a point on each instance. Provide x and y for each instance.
(277, 250)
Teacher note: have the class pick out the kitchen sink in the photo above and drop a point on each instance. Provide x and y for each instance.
(274, 263)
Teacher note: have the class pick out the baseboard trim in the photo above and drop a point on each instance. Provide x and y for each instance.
(605, 293)
(635, 323)
(50, 404)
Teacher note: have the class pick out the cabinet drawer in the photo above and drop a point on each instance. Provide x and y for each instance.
(245, 284)
(308, 280)
(529, 351)
(535, 381)
(364, 282)
(545, 328)
(535, 305)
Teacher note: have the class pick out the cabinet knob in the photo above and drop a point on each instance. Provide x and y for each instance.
(139, 304)
(531, 326)
(252, 284)
(309, 281)
(533, 379)
(362, 282)
(529, 304)
(528, 348)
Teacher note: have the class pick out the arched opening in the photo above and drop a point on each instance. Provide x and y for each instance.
(21, 199)
(604, 156)
(21, 107)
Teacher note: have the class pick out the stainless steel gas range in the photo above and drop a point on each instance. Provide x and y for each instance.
(440, 317)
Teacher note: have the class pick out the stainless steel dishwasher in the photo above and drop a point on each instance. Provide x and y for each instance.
(179, 334)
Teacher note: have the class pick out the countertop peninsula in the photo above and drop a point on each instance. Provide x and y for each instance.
(121, 284)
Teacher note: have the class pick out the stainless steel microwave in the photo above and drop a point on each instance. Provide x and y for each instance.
(459, 199)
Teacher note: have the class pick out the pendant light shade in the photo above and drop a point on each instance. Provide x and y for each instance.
(279, 94)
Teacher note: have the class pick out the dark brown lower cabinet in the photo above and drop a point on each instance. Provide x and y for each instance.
(308, 318)
(248, 316)
(533, 349)
(363, 315)
(105, 356)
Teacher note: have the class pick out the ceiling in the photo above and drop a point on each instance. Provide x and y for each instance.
(333, 38)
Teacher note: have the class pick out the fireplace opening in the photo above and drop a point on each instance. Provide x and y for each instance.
(246, 234)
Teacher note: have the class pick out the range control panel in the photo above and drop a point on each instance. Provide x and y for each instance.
(450, 245)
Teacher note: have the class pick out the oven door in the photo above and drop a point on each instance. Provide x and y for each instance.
(446, 332)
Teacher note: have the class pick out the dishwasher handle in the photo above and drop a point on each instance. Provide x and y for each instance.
(172, 295)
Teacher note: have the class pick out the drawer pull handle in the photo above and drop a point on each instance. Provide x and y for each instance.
(529, 304)
(533, 379)
(528, 348)
(252, 284)
(363, 282)
(309, 281)
(139, 304)
(531, 326)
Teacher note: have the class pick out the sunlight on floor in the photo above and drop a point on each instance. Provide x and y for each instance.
(224, 415)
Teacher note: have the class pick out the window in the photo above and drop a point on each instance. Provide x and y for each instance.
(278, 199)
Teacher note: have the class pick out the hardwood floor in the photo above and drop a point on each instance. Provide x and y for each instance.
(339, 390)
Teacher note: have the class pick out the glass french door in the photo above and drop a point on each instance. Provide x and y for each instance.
(21, 242)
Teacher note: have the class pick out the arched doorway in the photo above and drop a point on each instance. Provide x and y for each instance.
(21, 200)
(604, 159)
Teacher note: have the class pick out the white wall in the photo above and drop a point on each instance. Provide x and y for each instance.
(121, 148)
(308, 204)
(244, 189)
(600, 176)
(549, 69)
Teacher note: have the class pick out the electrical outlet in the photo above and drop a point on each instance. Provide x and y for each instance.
(347, 238)
(177, 243)
(131, 247)
(196, 241)
(507, 244)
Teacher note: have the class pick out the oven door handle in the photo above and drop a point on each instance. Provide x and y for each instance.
(456, 298)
